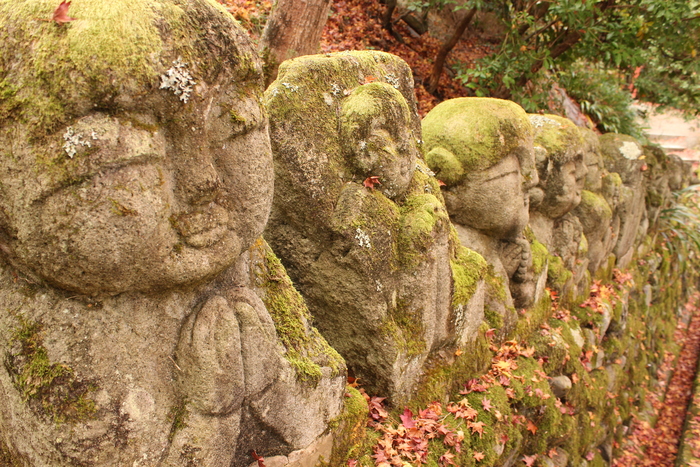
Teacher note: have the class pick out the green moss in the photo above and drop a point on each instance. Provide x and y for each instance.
(423, 216)
(306, 350)
(533, 318)
(557, 274)
(52, 390)
(110, 49)
(475, 133)
(493, 318)
(468, 268)
(178, 416)
(351, 439)
(444, 376)
(594, 202)
(559, 136)
(405, 329)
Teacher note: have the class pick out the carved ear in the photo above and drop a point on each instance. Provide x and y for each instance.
(445, 165)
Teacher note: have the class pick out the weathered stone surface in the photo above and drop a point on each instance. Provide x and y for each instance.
(561, 385)
(621, 154)
(145, 321)
(482, 150)
(559, 150)
(374, 260)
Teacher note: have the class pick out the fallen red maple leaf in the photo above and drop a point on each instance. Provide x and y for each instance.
(486, 403)
(446, 459)
(530, 460)
(260, 459)
(60, 14)
(531, 427)
(407, 418)
(478, 456)
(370, 182)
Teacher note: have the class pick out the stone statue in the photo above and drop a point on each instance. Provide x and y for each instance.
(623, 155)
(358, 220)
(481, 149)
(559, 147)
(139, 303)
(594, 212)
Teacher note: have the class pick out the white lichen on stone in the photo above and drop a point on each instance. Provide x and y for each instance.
(362, 238)
(336, 90)
(291, 87)
(393, 80)
(420, 168)
(630, 150)
(538, 121)
(178, 80)
(380, 287)
(73, 140)
(362, 145)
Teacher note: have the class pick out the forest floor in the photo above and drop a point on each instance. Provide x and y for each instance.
(356, 25)
(654, 441)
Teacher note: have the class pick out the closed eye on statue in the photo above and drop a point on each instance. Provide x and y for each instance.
(501, 175)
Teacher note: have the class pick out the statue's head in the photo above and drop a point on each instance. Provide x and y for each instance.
(482, 150)
(135, 150)
(375, 131)
(559, 150)
(593, 160)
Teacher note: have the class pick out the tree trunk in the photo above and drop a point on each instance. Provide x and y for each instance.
(446, 48)
(294, 28)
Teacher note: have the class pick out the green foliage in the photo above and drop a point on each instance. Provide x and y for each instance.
(649, 45)
(600, 94)
(679, 225)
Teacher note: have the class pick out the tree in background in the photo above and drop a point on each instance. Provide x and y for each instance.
(604, 52)
(643, 46)
(293, 29)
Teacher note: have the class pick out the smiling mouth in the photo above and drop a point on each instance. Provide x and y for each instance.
(204, 227)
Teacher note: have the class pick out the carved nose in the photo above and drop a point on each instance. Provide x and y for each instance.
(198, 180)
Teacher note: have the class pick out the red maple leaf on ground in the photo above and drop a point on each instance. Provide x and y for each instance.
(370, 182)
(60, 14)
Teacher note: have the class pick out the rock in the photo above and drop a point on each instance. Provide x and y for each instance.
(560, 459)
(623, 155)
(481, 148)
(561, 385)
(373, 256)
(559, 146)
(136, 202)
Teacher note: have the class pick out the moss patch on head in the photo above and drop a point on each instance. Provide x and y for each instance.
(614, 146)
(559, 136)
(306, 350)
(110, 56)
(475, 133)
(593, 202)
(52, 390)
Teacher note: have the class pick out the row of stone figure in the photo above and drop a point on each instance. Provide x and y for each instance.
(146, 322)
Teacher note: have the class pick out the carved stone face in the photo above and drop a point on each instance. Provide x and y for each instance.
(561, 165)
(593, 160)
(494, 200)
(564, 186)
(377, 136)
(482, 149)
(151, 198)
